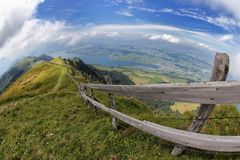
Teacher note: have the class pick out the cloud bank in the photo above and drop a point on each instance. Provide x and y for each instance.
(20, 31)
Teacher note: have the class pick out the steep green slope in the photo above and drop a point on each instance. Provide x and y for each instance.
(41, 121)
(20, 68)
(96, 74)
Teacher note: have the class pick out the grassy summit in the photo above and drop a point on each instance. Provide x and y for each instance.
(42, 78)
(42, 116)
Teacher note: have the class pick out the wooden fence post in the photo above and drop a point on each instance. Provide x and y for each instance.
(83, 88)
(219, 73)
(92, 96)
(115, 121)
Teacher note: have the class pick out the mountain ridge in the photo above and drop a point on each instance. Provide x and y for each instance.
(43, 117)
(18, 68)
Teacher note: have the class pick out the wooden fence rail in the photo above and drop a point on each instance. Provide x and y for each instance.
(226, 92)
(186, 138)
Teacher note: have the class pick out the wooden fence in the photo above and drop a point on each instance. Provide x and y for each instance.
(207, 94)
(210, 92)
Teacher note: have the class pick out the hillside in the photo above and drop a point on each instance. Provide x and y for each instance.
(38, 80)
(96, 74)
(42, 116)
(19, 68)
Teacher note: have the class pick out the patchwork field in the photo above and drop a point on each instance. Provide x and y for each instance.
(139, 76)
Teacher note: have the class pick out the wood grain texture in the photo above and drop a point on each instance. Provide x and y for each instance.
(190, 139)
(219, 73)
(204, 93)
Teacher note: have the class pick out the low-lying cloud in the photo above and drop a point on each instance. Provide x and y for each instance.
(166, 37)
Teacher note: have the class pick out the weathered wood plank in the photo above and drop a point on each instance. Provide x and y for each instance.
(219, 73)
(190, 139)
(210, 93)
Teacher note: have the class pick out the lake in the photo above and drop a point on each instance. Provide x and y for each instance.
(107, 61)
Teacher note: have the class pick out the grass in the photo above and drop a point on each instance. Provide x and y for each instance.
(60, 126)
(61, 79)
(58, 60)
(184, 107)
(56, 124)
(38, 80)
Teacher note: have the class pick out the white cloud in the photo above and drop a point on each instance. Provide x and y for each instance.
(200, 44)
(170, 38)
(32, 35)
(226, 37)
(221, 6)
(13, 16)
(231, 6)
(155, 37)
(166, 37)
(21, 33)
(225, 22)
(125, 13)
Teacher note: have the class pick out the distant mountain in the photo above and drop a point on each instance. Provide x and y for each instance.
(19, 68)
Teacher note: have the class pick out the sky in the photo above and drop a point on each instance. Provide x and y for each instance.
(30, 27)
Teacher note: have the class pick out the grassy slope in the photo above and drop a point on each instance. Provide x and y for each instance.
(54, 123)
(20, 68)
(43, 78)
(182, 107)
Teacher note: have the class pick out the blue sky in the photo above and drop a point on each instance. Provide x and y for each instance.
(30, 27)
(184, 14)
